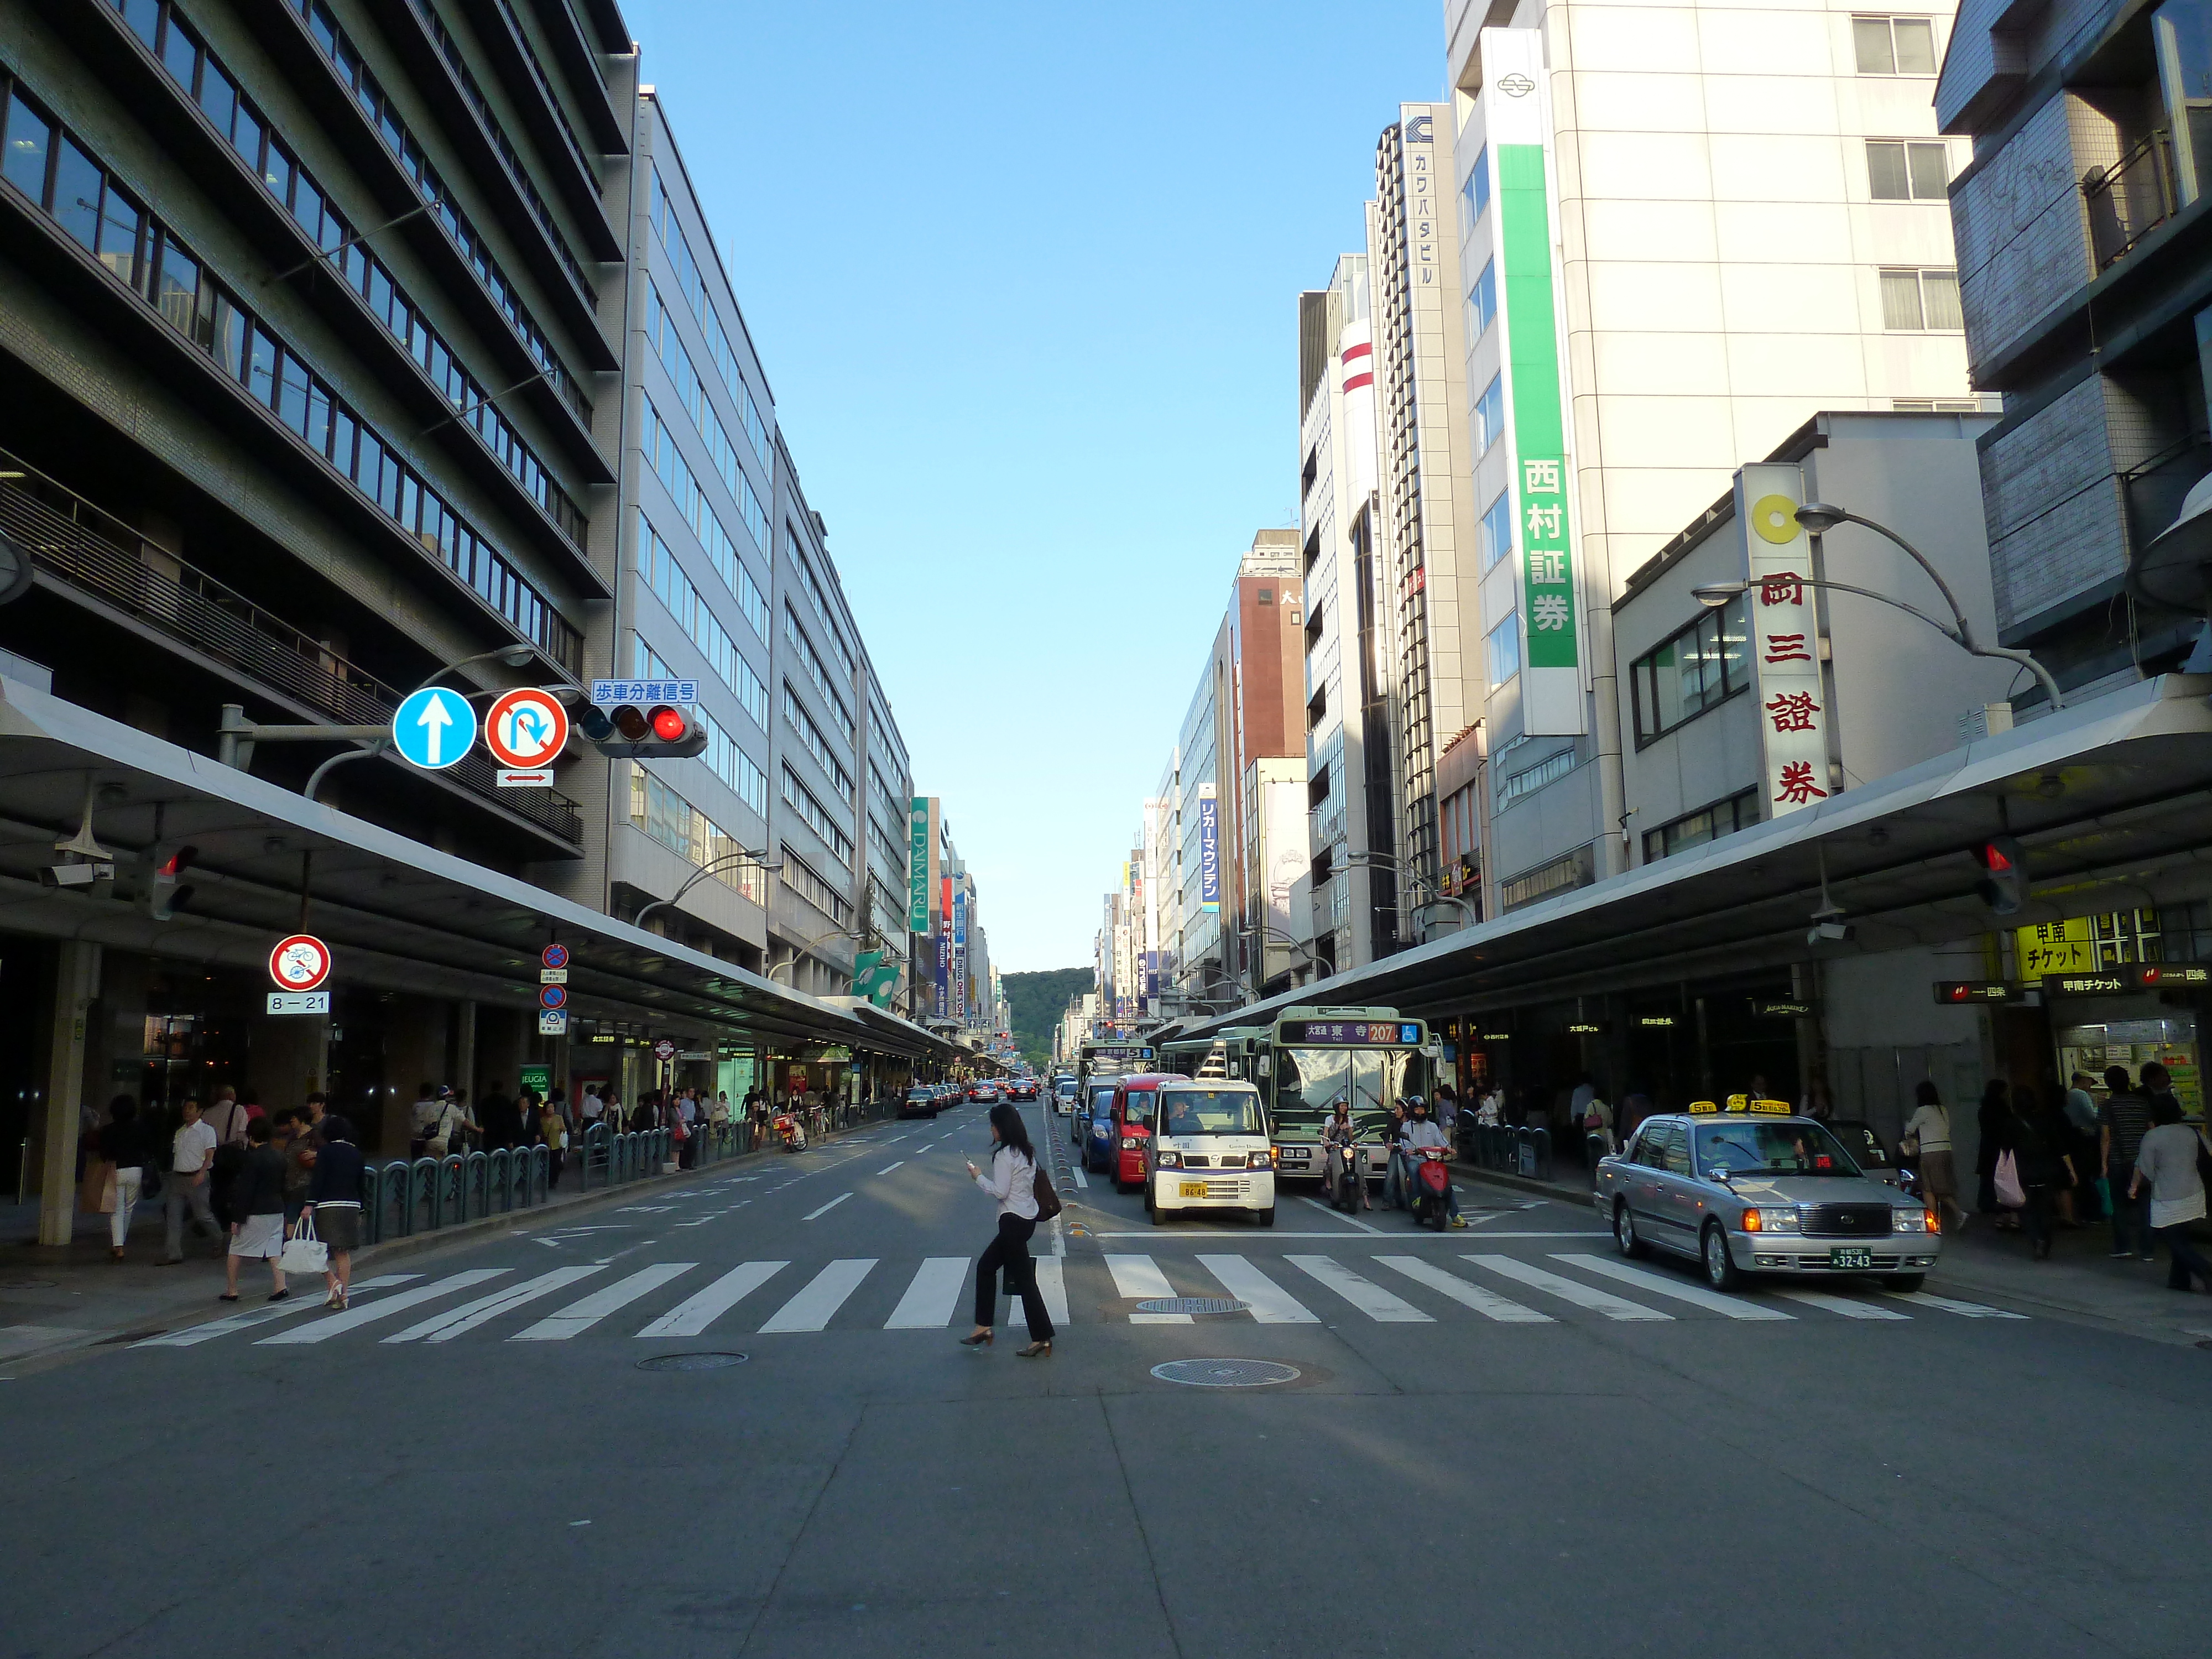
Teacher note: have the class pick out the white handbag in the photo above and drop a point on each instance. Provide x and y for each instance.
(303, 1252)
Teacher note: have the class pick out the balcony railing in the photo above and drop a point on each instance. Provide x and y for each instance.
(92, 551)
(2130, 198)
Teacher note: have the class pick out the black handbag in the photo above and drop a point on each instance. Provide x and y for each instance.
(1047, 1196)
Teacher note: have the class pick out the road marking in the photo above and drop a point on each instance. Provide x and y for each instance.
(1660, 1284)
(1138, 1278)
(1486, 1303)
(1964, 1310)
(693, 1315)
(1081, 1179)
(1270, 1302)
(1567, 1289)
(888, 1168)
(457, 1321)
(826, 1208)
(581, 1316)
(1363, 1294)
(1052, 1282)
(1157, 1234)
(338, 1323)
(1336, 1215)
(930, 1300)
(263, 1315)
(1848, 1307)
(812, 1308)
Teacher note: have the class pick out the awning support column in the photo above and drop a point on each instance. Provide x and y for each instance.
(76, 977)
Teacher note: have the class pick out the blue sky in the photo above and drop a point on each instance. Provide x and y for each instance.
(1024, 279)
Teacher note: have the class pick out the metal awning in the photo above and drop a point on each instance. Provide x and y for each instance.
(2112, 800)
(398, 915)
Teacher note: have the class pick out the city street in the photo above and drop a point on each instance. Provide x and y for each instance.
(1501, 1439)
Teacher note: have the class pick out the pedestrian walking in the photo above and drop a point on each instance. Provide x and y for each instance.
(2122, 1122)
(191, 1164)
(257, 1203)
(297, 1140)
(554, 1132)
(1927, 1141)
(2166, 1172)
(1012, 1184)
(334, 1198)
(123, 1145)
(2043, 1168)
(226, 1117)
(502, 1117)
(1993, 1120)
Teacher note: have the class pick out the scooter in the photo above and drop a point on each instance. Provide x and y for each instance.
(792, 1131)
(1432, 1188)
(1344, 1179)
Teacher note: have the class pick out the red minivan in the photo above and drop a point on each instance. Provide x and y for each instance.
(1134, 1101)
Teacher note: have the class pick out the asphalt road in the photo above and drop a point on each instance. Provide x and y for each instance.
(1494, 1443)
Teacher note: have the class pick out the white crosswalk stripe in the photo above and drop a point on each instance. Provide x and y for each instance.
(1052, 1282)
(579, 1316)
(1489, 1304)
(813, 1307)
(1613, 1307)
(1270, 1302)
(1847, 1307)
(1138, 1277)
(930, 1300)
(1966, 1309)
(695, 1312)
(354, 1318)
(458, 1321)
(262, 1315)
(1728, 1307)
(1363, 1294)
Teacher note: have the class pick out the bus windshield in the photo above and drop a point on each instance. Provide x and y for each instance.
(1309, 1081)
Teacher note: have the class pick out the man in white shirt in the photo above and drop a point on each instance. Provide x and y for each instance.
(190, 1160)
(226, 1118)
(1422, 1133)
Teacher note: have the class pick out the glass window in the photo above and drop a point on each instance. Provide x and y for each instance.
(1497, 531)
(1490, 415)
(1916, 45)
(1503, 644)
(1474, 194)
(180, 55)
(217, 97)
(1482, 301)
(261, 369)
(318, 417)
(1210, 1112)
(307, 207)
(144, 18)
(1939, 293)
(277, 172)
(1791, 1147)
(119, 225)
(1900, 299)
(176, 286)
(1700, 665)
(77, 181)
(30, 137)
(292, 395)
(1870, 38)
(1929, 166)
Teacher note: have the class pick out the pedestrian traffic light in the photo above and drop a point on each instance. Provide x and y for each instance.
(2004, 886)
(164, 894)
(662, 731)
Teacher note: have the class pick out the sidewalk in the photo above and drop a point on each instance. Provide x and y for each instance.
(2079, 1283)
(53, 1299)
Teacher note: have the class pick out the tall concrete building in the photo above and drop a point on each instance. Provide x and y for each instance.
(1683, 233)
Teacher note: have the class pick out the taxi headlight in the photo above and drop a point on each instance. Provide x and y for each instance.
(1911, 1221)
(1170, 1160)
(1772, 1221)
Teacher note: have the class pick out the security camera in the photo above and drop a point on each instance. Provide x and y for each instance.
(1828, 933)
(76, 875)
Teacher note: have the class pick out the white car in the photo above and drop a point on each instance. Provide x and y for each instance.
(1210, 1150)
(1063, 1095)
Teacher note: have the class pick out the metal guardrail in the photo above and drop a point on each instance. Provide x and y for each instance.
(1511, 1150)
(88, 548)
(2130, 198)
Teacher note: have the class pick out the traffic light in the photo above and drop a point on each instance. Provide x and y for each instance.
(2004, 886)
(164, 895)
(660, 731)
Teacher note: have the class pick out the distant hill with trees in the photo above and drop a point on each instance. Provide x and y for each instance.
(1039, 999)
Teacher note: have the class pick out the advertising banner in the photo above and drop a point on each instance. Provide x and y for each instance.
(960, 955)
(1283, 859)
(1209, 851)
(917, 867)
(1784, 627)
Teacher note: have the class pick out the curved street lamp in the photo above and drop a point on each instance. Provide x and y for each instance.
(1436, 895)
(701, 874)
(1818, 517)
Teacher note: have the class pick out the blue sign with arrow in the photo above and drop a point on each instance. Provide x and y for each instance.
(433, 728)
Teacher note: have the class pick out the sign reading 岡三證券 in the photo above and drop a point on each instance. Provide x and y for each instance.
(1783, 638)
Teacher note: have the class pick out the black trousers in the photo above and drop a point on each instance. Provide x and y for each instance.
(1011, 1250)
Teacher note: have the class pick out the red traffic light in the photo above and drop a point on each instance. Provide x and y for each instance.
(655, 731)
(669, 724)
(1994, 858)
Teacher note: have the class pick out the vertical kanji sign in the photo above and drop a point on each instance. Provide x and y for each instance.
(1783, 629)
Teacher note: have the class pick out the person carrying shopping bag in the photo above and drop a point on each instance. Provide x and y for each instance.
(1014, 1183)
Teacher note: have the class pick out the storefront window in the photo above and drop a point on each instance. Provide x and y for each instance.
(2171, 1040)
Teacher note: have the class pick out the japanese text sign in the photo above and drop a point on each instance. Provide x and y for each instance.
(1783, 638)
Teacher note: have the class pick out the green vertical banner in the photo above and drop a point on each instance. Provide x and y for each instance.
(917, 866)
(1552, 698)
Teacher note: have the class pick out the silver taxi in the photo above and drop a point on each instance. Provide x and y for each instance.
(1755, 1189)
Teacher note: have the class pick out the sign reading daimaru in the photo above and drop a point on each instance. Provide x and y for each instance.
(917, 866)
(1784, 642)
(1209, 850)
(1517, 104)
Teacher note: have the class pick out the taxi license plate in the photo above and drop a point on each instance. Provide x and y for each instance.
(1191, 1189)
(1851, 1258)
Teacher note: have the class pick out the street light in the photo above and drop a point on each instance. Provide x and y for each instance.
(1818, 518)
(1436, 895)
(700, 875)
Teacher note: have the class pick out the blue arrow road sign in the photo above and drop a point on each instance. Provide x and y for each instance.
(433, 728)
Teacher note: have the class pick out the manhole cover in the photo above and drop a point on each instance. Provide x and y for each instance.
(1226, 1373)
(1192, 1304)
(691, 1361)
(25, 1284)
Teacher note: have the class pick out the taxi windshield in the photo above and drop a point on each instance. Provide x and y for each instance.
(1211, 1112)
(1784, 1149)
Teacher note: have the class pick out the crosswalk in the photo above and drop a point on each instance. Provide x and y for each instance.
(767, 1299)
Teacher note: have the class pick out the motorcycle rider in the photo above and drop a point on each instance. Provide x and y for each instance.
(1398, 1185)
(1338, 1141)
(1422, 1133)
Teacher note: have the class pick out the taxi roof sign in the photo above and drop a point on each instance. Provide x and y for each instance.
(1742, 1105)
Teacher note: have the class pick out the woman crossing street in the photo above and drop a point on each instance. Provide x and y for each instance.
(1012, 1184)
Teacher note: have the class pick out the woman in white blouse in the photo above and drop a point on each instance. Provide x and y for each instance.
(1012, 1184)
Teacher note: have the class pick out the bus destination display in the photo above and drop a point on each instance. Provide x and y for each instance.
(1351, 1033)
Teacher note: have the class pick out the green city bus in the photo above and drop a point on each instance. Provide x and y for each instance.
(1307, 1059)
